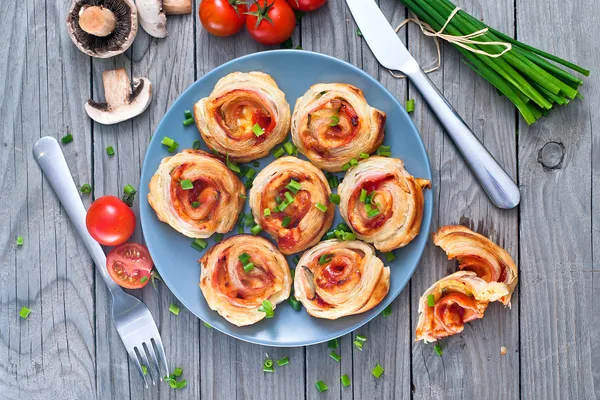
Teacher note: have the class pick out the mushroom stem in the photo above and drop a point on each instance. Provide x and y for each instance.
(177, 7)
(97, 21)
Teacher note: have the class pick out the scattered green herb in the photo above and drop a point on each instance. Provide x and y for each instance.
(24, 312)
(174, 308)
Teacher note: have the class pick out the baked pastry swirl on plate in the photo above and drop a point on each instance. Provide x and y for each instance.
(338, 278)
(239, 274)
(333, 123)
(451, 302)
(245, 116)
(290, 201)
(382, 203)
(477, 253)
(196, 194)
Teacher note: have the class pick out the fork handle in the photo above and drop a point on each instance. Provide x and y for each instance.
(52, 161)
(499, 187)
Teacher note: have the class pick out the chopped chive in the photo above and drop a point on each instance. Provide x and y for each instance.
(167, 141)
(196, 145)
(186, 184)
(343, 227)
(362, 338)
(278, 200)
(231, 165)
(240, 229)
(244, 258)
(325, 258)
(243, 196)
(332, 180)
(389, 256)
(384, 151)
(110, 151)
(255, 229)
(258, 131)
(349, 236)
(387, 311)
(218, 237)
(321, 386)
(206, 324)
(410, 105)
(438, 349)
(255, 164)
(248, 267)
(353, 162)
(292, 301)
(431, 300)
(68, 138)
(358, 32)
(286, 221)
(187, 114)
(19, 240)
(333, 343)
(144, 369)
(174, 308)
(283, 361)
(373, 213)
(335, 198)
(363, 195)
(289, 148)
(188, 122)
(199, 244)
(288, 197)
(335, 356)
(329, 235)
(321, 207)
(251, 173)
(195, 204)
(249, 220)
(363, 155)
(283, 205)
(335, 120)
(294, 186)
(358, 344)
(177, 372)
(345, 380)
(346, 167)
(173, 147)
(144, 279)
(85, 188)
(268, 365)
(267, 308)
(24, 312)
(368, 207)
(296, 259)
(278, 152)
(377, 371)
(267, 212)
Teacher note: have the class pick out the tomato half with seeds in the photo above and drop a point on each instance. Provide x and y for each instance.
(129, 265)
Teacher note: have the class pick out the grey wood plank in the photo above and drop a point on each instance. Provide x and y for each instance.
(559, 319)
(471, 365)
(51, 354)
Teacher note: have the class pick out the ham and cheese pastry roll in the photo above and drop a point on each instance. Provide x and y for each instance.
(290, 201)
(451, 302)
(196, 194)
(382, 203)
(241, 272)
(338, 278)
(245, 116)
(333, 123)
(477, 253)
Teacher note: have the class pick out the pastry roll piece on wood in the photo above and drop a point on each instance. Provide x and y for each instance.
(382, 202)
(333, 123)
(338, 278)
(451, 302)
(195, 193)
(239, 273)
(245, 116)
(477, 253)
(290, 201)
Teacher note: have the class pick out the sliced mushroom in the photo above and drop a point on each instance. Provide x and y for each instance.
(102, 28)
(153, 14)
(123, 100)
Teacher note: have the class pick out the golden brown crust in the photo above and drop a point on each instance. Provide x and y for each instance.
(215, 187)
(357, 127)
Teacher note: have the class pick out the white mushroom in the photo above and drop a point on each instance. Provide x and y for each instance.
(153, 14)
(123, 100)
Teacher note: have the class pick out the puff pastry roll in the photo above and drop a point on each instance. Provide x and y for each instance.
(245, 116)
(451, 302)
(236, 289)
(196, 194)
(338, 278)
(477, 253)
(333, 123)
(290, 201)
(382, 203)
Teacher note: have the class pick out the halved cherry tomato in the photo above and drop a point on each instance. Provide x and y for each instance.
(306, 5)
(222, 17)
(270, 23)
(129, 265)
(110, 221)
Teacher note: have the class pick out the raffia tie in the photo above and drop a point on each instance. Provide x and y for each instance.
(462, 41)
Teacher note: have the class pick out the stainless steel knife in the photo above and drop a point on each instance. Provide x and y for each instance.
(392, 54)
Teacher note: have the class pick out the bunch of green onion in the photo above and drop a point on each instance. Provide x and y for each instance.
(523, 74)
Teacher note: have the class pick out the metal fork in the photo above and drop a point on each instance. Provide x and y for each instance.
(131, 317)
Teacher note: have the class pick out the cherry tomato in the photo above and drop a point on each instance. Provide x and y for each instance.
(306, 5)
(110, 221)
(222, 17)
(270, 23)
(129, 265)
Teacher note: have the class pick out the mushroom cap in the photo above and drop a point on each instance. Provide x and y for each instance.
(138, 100)
(115, 43)
(152, 17)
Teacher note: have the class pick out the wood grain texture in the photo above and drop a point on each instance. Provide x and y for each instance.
(559, 302)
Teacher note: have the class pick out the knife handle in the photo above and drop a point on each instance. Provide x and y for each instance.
(499, 187)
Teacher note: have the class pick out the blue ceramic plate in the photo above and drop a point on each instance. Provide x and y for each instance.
(294, 71)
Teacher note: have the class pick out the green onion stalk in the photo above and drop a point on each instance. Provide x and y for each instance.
(523, 74)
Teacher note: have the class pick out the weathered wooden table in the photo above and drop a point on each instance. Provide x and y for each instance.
(68, 348)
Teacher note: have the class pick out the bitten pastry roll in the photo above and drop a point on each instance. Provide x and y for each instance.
(245, 116)
(382, 202)
(333, 123)
(338, 278)
(477, 253)
(451, 302)
(239, 274)
(196, 194)
(290, 201)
